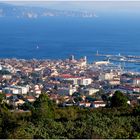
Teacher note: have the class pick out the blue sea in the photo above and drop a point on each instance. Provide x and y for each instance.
(60, 37)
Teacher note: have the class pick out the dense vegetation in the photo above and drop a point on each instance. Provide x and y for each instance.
(47, 120)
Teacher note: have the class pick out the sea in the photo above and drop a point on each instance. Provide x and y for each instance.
(60, 37)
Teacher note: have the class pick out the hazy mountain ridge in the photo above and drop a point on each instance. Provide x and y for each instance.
(7, 10)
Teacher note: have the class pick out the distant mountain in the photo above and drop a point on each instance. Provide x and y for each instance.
(7, 10)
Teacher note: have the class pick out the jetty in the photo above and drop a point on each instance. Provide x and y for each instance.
(120, 58)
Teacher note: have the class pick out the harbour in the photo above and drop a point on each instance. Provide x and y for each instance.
(120, 58)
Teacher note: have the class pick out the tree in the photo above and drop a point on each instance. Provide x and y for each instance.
(55, 87)
(1, 98)
(26, 106)
(43, 108)
(24, 130)
(4, 72)
(136, 135)
(136, 111)
(66, 114)
(119, 100)
(8, 123)
(78, 99)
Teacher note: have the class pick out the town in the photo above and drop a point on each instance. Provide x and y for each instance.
(69, 82)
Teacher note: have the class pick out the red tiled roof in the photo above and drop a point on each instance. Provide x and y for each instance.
(9, 94)
(128, 87)
(30, 97)
(136, 79)
(87, 103)
(37, 90)
(68, 76)
(115, 80)
(98, 102)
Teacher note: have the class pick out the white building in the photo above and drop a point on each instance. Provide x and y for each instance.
(30, 98)
(67, 90)
(101, 63)
(0, 67)
(16, 90)
(8, 77)
(89, 91)
(109, 76)
(136, 81)
(97, 104)
(85, 81)
(75, 80)
(37, 91)
(16, 103)
(114, 82)
(106, 76)
(70, 78)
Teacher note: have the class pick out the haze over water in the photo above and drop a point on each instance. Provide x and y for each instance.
(115, 30)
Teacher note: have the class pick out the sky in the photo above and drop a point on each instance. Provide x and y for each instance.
(79, 3)
(117, 6)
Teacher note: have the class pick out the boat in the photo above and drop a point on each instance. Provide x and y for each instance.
(37, 47)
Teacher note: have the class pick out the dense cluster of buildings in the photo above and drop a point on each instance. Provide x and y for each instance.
(68, 82)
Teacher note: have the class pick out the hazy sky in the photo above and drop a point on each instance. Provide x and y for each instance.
(131, 7)
(80, 3)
